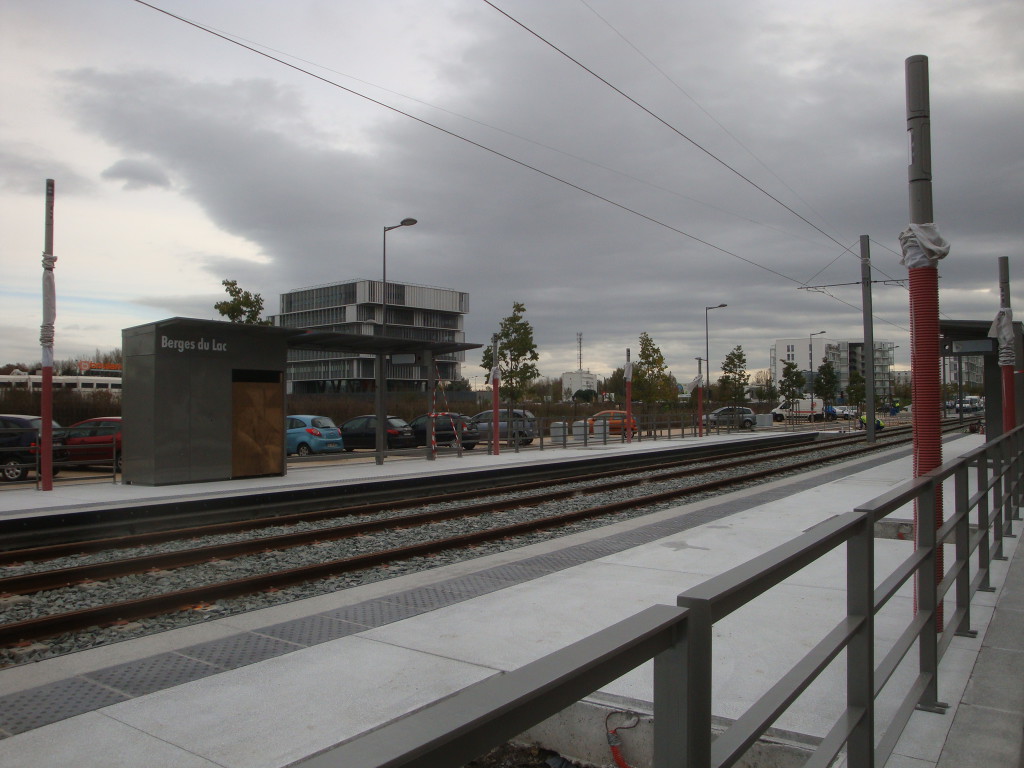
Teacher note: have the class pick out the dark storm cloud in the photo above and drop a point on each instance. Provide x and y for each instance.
(137, 174)
(815, 120)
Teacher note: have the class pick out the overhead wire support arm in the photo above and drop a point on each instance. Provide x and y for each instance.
(840, 285)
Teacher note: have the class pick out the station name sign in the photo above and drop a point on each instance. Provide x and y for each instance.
(193, 345)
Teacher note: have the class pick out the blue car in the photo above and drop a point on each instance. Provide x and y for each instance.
(306, 435)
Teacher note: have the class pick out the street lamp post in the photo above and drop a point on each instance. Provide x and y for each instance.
(707, 356)
(381, 359)
(810, 358)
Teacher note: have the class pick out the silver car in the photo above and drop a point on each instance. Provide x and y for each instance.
(731, 416)
(523, 425)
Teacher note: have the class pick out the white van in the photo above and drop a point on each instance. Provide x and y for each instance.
(803, 410)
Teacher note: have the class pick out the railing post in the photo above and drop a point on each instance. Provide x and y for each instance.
(961, 495)
(996, 507)
(927, 602)
(682, 693)
(860, 652)
(1008, 485)
(984, 549)
(1016, 472)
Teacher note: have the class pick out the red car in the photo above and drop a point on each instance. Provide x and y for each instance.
(616, 421)
(94, 441)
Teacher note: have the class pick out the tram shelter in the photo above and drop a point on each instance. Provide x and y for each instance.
(204, 400)
(964, 338)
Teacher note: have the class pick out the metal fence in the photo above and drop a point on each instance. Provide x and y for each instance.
(679, 640)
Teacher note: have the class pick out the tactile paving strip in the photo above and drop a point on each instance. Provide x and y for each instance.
(36, 707)
(154, 673)
(239, 650)
(310, 630)
(373, 613)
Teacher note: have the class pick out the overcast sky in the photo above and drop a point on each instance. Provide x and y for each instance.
(744, 149)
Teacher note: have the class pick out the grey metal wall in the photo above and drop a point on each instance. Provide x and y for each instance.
(177, 397)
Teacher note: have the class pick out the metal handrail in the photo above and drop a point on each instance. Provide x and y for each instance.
(679, 639)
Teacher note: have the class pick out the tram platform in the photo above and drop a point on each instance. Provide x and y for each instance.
(269, 688)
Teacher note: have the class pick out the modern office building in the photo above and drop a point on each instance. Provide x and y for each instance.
(808, 352)
(574, 381)
(413, 312)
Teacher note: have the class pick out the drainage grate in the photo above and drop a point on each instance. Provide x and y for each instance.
(155, 673)
(49, 703)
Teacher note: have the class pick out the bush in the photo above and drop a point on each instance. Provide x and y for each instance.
(68, 407)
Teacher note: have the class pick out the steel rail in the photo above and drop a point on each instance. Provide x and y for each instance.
(46, 626)
(64, 577)
(73, 548)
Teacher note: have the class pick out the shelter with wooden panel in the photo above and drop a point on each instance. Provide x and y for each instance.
(204, 400)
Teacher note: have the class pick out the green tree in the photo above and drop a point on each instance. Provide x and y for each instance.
(584, 396)
(615, 385)
(765, 389)
(651, 380)
(517, 355)
(856, 391)
(792, 382)
(826, 383)
(546, 389)
(243, 306)
(732, 384)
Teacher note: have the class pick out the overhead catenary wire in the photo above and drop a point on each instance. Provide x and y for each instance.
(497, 153)
(672, 128)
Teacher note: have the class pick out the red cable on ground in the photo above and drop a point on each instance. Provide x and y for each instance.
(926, 394)
(615, 741)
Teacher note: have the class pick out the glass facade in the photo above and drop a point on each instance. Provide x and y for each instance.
(417, 312)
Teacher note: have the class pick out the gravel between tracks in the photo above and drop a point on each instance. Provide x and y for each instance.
(130, 587)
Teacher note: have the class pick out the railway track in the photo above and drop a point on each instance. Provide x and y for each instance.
(167, 571)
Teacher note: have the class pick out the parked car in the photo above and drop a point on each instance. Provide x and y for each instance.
(524, 424)
(731, 416)
(19, 445)
(94, 441)
(616, 421)
(846, 411)
(361, 432)
(306, 435)
(449, 428)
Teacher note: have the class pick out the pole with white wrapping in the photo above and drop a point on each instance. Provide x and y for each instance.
(46, 341)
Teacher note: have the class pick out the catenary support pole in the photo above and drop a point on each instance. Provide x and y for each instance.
(628, 375)
(924, 296)
(1007, 358)
(869, 337)
(46, 340)
(700, 399)
(496, 399)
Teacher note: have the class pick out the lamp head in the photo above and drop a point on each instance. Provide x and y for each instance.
(407, 222)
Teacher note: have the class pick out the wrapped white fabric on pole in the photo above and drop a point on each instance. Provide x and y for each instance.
(698, 381)
(627, 373)
(922, 246)
(1002, 331)
(49, 310)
